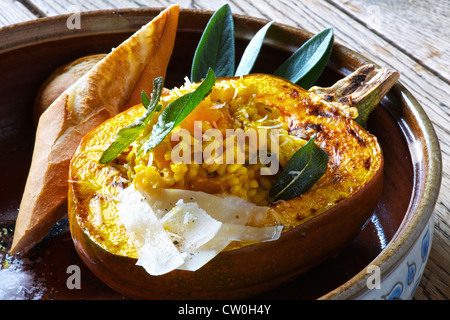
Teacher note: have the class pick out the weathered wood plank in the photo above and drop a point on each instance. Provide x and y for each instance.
(419, 28)
(54, 7)
(12, 11)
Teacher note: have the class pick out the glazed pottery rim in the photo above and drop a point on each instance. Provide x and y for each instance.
(424, 194)
(421, 207)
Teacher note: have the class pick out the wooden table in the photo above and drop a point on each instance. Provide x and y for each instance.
(410, 36)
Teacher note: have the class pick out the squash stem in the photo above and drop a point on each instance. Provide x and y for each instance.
(363, 89)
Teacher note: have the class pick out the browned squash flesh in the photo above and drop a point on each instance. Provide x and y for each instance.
(317, 224)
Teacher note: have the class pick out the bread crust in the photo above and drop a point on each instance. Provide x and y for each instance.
(60, 80)
(111, 86)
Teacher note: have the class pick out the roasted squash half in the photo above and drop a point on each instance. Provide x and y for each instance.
(316, 224)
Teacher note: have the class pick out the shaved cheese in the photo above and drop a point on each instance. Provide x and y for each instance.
(198, 258)
(157, 253)
(228, 233)
(97, 206)
(218, 106)
(75, 181)
(192, 226)
(234, 232)
(263, 119)
(228, 209)
(271, 127)
(183, 229)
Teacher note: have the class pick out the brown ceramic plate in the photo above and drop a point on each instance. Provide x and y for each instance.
(29, 52)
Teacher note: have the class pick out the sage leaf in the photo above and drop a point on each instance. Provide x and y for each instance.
(178, 110)
(302, 171)
(305, 65)
(252, 51)
(129, 134)
(216, 48)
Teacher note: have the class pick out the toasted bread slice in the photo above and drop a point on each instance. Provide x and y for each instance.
(60, 80)
(111, 86)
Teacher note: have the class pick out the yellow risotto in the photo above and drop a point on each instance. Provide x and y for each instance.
(229, 110)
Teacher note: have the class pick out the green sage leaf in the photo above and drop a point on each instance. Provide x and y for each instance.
(178, 110)
(305, 65)
(252, 51)
(302, 171)
(129, 134)
(216, 48)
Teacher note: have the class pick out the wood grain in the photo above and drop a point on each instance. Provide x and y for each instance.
(418, 28)
(12, 12)
(407, 35)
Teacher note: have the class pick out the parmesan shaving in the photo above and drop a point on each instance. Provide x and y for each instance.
(271, 127)
(228, 233)
(192, 226)
(263, 119)
(227, 209)
(75, 181)
(182, 229)
(218, 106)
(97, 206)
(157, 253)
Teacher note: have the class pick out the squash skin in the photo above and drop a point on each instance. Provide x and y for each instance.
(314, 231)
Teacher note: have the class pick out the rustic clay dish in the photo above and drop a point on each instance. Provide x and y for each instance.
(396, 239)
